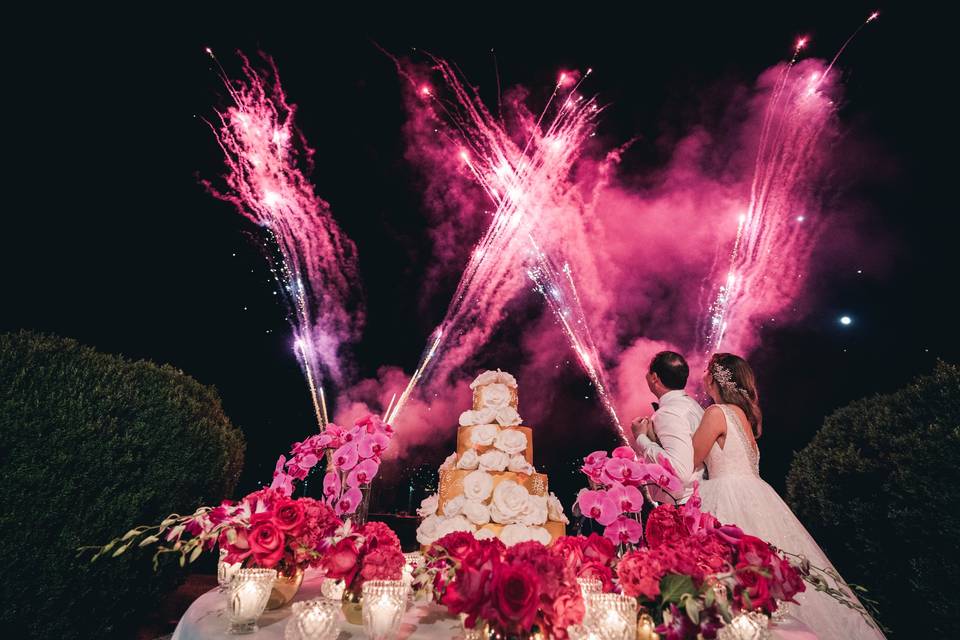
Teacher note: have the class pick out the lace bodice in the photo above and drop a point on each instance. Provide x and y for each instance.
(738, 455)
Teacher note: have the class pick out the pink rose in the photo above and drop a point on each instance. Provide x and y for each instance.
(266, 543)
(567, 610)
(289, 516)
(341, 561)
(599, 549)
(594, 570)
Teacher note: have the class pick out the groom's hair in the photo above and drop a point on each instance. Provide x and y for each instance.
(671, 368)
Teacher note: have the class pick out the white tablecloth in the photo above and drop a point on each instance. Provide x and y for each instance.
(207, 619)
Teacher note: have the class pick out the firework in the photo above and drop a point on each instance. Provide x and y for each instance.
(313, 262)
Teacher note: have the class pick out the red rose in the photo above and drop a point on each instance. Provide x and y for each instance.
(567, 610)
(458, 544)
(383, 563)
(342, 561)
(471, 590)
(756, 586)
(239, 549)
(266, 543)
(664, 524)
(516, 592)
(596, 571)
(570, 550)
(289, 516)
(599, 549)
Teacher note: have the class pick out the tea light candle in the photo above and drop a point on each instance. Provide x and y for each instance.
(611, 616)
(247, 597)
(314, 620)
(384, 602)
(645, 628)
(746, 626)
(332, 589)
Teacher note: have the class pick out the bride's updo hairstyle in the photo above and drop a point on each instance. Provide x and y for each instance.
(738, 386)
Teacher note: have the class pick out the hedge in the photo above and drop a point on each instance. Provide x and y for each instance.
(90, 445)
(879, 488)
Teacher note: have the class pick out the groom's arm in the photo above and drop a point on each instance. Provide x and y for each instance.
(676, 442)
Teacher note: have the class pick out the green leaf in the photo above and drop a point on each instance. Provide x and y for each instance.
(673, 586)
(692, 605)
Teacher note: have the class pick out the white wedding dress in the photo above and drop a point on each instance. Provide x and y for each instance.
(736, 494)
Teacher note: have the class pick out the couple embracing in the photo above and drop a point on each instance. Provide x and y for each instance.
(716, 450)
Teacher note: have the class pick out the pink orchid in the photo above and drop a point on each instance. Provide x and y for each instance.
(345, 457)
(282, 483)
(593, 465)
(597, 505)
(331, 485)
(349, 501)
(372, 445)
(595, 458)
(353, 434)
(624, 531)
(623, 471)
(363, 473)
(628, 498)
(370, 422)
(664, 462)
(624, 452)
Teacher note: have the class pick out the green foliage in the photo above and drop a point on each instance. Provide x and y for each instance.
(91, 445)
(878, 487)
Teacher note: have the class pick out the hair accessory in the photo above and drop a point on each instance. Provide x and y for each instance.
(724, 378)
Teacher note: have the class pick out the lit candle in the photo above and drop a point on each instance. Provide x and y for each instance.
(314, 620)
(384, 602)
(611, 615)
(247, 597)
(746, 626)
(645, 628)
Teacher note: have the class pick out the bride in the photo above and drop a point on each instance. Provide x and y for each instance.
(726, 442)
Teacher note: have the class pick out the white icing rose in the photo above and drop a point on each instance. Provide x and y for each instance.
(494, 396)
(428, 506)
(517, 533)
(555, 510)
(535, 512)
(477, 486)
(469, 460)
(511, 441)
(483, 435)
(507, 416)
(454, 524)
(467, 418)
(427, 531)
(486, 415)
(484, 534)
(454, 506)
(509, 501)
(450, 462)
(476, 512)
(488, 377)
(519, 464)
(494, 460)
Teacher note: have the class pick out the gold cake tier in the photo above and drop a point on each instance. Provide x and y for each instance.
(451, 483)
(463, 441)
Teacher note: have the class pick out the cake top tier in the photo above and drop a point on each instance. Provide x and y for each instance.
(494, 400)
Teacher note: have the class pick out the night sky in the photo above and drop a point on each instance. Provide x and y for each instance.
(110, 239)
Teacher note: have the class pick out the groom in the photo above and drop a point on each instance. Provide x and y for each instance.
(670, 430)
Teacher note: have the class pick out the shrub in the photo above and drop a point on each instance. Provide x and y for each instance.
(90, 445)
(879, 487)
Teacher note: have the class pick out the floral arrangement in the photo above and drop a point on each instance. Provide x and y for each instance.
(269, 528)
(615, 496)
(372, 552)
(516, 590)
(694, 574)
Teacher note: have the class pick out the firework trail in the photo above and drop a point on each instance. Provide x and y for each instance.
(314, 263)
(776, 235)
(528, 182)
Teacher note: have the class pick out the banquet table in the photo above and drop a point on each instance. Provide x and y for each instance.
(207, 618)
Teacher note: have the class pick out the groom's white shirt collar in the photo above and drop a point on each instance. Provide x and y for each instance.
(672, 394)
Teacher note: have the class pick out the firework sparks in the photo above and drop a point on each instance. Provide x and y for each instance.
(312, 261)
(529, 186)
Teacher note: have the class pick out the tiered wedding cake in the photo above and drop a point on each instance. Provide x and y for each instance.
(489, 486)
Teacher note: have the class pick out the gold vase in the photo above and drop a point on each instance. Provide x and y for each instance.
(353, 607)
(285, 588)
